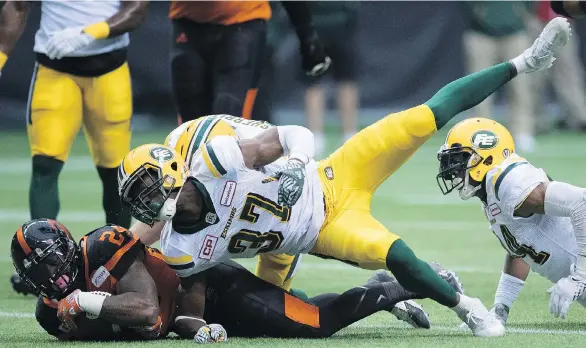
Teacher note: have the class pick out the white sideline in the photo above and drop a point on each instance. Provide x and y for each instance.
(24, 315)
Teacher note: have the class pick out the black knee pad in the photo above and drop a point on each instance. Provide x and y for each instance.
(227, 103)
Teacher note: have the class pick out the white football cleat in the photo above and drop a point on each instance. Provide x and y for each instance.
(478, 318)
(540, 55)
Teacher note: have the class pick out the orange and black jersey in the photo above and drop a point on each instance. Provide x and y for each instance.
(220, 12)
(107, 254)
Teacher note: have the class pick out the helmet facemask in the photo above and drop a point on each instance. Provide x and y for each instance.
(454, 171)
(147, 194)
(51, 271)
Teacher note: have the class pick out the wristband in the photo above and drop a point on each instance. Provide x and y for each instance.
(98, 31)
(3, 59)
(92, 302)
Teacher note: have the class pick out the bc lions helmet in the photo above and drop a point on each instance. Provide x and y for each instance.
(472, 148)
(147, 177)
(46, 257)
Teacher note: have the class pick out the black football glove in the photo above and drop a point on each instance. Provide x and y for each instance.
(315, 62)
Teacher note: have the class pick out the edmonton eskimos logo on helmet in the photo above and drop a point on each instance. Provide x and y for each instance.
(161, 154)
(484, 139)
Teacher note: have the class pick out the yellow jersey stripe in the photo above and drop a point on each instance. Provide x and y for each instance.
(178, 259)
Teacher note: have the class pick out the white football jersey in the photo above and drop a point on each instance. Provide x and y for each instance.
(59, 15)
(546, 243)
(241, 218)
(245, 129)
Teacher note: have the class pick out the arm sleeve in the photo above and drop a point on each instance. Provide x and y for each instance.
(219, 157)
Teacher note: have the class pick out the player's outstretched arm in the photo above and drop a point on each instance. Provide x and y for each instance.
(147, 234)
(469, 91)
(315, 62)
(511, 283)
(561, 199)
(12, 22)
(572, 8)
(189, 322)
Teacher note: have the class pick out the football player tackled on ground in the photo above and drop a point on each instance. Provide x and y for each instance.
(277, 269)
(111, 286)
(221, 208)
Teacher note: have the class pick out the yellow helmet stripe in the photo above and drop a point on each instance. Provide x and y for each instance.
(208, 161)
(201, 133)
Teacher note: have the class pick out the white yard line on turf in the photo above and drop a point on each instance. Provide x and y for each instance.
(66, 216)
(24, 315)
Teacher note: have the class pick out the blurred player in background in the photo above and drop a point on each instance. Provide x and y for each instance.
(541, 223)
(111, 276)
(81, 78)
(566, 77)
(336, 22)
(218, 53)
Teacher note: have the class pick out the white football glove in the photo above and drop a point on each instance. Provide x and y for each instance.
(211, 333)
(564, 292)
(67, 41)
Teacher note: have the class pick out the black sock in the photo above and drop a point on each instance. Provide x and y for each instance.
(115, 213)
(338, 311)
(44, 188)
(417, 276)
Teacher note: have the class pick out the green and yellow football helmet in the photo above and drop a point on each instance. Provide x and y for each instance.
(189, 136)
(472, 148)
(150, 179)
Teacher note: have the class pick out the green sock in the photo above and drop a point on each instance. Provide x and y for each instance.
(299, 293)
(417, 276)
(468, 91)
(115, 213)
(44, 190)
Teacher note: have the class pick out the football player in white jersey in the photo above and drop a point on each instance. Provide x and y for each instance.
(81, 79)
(222, 208)
(541, 223)
(278, 269)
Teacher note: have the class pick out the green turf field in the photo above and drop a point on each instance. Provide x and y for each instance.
(438, 228)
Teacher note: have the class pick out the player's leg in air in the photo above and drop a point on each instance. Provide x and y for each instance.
(248, 306)
(351, 175)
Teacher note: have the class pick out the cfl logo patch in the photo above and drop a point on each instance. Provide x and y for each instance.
(484, 140)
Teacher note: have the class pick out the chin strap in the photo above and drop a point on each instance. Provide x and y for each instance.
(169, 208)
